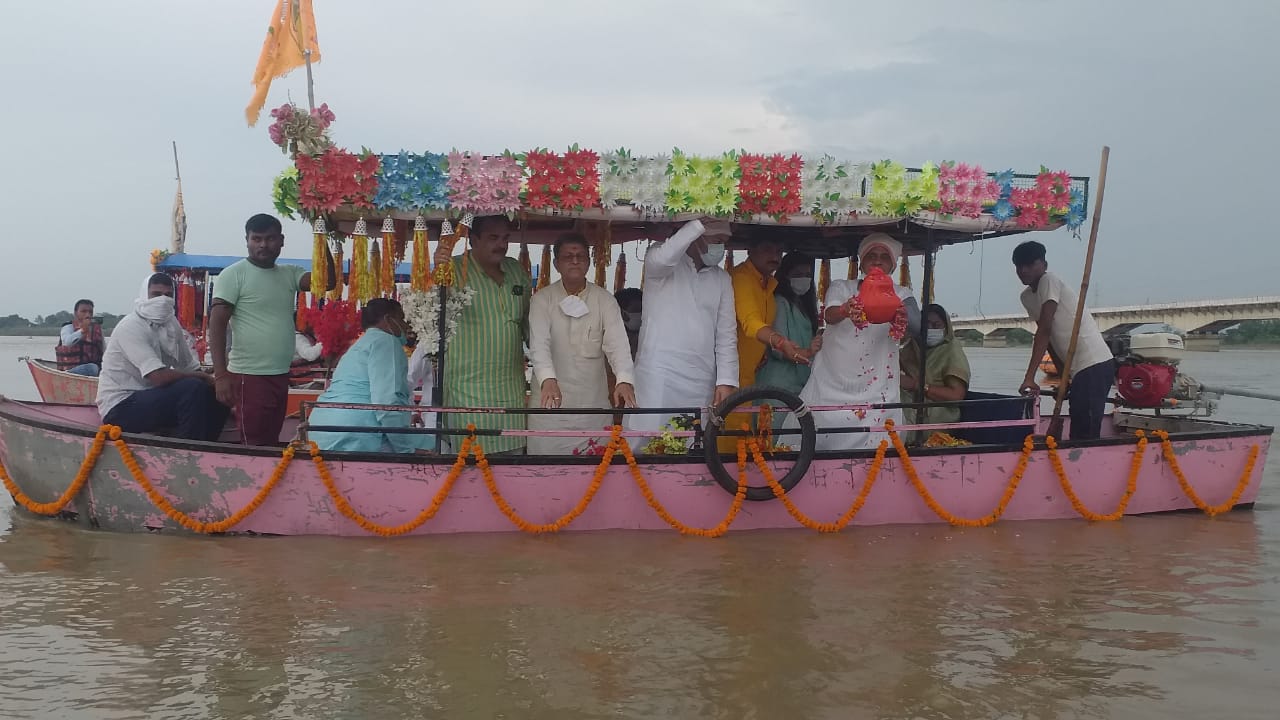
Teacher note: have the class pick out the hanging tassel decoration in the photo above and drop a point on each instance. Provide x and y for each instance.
(853, 268)
(544, 270)
(620, 273)
(374, 286)
(339, 281)
(319, 278)
(448, 239)
(904, 273)
(300, 311)
(728, 260)
(388, 266)
(359, 262)
(464, 236)
(420, 276)
(824, 279)
(602, 258)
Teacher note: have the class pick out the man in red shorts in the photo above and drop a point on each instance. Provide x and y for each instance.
(255, 296)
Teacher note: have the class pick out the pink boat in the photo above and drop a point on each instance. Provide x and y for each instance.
(42, 446)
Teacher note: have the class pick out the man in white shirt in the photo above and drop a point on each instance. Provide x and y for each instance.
(150, 379)
(688, 352)
(575, 328)
(1052, 304)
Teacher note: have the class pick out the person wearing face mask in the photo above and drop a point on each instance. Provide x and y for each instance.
(797, 321)
(688, 355)
(753, 293)
(858, 365)
(575, 328)
(375, 371)
(150, 380)
(946, 370)
(631, 303)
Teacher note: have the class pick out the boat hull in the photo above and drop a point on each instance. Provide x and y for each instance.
(56, 386)
(42, 447)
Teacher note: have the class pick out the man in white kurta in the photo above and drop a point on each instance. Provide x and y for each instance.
(857, 366)
(575, 327)
(688, 353)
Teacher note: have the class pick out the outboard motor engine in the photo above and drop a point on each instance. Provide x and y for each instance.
(1147, 374)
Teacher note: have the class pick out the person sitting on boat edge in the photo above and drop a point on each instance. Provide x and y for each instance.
(374, 371)
(484, 363)
(255, 297)
(946, 370)
(797, 320)
(688, 354)
(575, 333)
(857, 365)
(80, 342)
(1092, 369)
(150, 380)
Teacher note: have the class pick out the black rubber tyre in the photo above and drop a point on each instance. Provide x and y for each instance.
(727, 477)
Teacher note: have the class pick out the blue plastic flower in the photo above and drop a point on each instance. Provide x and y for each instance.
(412, 182)
(1003, 210)
(1004, 179)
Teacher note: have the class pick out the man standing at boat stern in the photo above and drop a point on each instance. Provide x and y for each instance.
(1051, 304)
(255, 296)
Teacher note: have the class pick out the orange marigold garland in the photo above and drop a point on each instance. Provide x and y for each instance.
(843, 521)
(82, 477)
(544, 270)
(1211, 510)
(319, 266)
(186, 521)
(388, 266)
(371, 286)
(620, 273)
(1134, 468)
(359, 261)
(338, 282)
(420, 274)
(1010, 489)
(429, 512)
(683, 529)
(615, 441)
(824, 279)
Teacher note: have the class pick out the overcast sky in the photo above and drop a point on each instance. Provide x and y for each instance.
(1185, 95)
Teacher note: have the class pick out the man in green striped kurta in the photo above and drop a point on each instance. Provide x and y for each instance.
(484, 363)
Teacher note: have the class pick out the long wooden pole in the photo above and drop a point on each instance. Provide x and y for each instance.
(177, 173)
(1055, 422)
(311, 91)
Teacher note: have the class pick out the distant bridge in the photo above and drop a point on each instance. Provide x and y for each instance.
(1199, 318)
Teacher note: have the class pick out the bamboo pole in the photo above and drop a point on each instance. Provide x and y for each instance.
(1055, 422)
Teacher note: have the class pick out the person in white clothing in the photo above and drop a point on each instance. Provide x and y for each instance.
(422, 374)
(305, 349)
(574, 328)
(1052, 304)
(150, 379)
(688, 352)
(857, 365)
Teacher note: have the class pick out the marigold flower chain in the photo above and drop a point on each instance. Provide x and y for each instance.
(1134, 467)
(82, 477)
(823, 527)
(1210, 510)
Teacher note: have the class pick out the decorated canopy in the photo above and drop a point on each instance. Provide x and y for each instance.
(820, 203)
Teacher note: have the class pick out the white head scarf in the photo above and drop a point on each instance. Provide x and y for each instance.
(159, 312)
(880, 239)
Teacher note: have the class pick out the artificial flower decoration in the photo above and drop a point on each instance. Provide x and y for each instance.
(1003, 210)
(284, 193)
(299, 132)
(831, 189)
(703, 184)
(484, 185)
(412, 182)
(336, 326)
(769, 184)
(569, 182)
(641, 180)
(893, 194)
(1075, 211)
(1050, 197)
(336, 178)
(964, 190)
(422, 311)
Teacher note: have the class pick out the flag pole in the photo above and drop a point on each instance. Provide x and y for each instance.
(311, 92)
(177, 173)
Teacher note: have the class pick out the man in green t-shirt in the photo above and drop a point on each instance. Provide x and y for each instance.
(255, 296)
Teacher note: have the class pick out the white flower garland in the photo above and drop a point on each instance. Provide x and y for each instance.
(642, 180)
(422, 310)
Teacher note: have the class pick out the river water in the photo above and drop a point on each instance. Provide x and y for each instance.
(1172, 616)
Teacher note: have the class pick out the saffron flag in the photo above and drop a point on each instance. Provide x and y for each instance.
(290, 35)
(178, 240)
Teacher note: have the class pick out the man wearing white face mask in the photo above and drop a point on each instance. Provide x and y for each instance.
(150, 378)
(688, 354)
(574, 327)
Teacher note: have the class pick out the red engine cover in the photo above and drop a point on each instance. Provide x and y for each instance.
(1145, 384)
